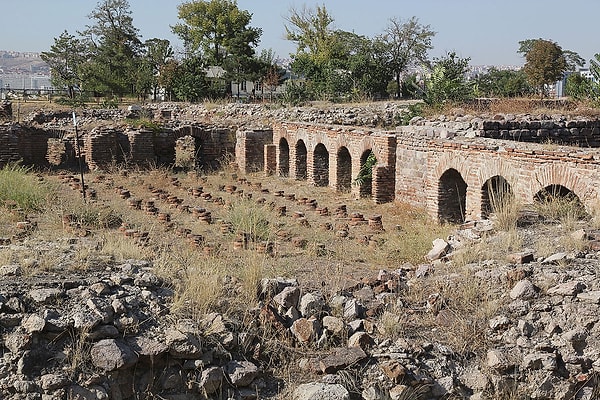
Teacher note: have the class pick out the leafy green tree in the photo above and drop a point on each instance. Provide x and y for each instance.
(215, 28)
(64, 59)
(167, 75)
(579, 87)
(114, 48)
(358, 64)
(157, 52)
(573, 60)
(407, 45)
(335, 63)
(448, 81)
(546, 62)
(189, 83)
(503, 83)
(311, 30)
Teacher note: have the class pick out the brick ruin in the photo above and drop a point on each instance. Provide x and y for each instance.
(453, 176)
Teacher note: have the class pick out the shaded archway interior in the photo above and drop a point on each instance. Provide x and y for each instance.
(452, 197)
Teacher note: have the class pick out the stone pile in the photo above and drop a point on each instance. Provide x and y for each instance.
(102, 335)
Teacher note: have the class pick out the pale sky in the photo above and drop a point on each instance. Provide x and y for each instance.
(487, 31)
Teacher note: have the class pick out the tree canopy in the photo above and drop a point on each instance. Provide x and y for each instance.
(546, 62)
(216, 28)
(406, 45)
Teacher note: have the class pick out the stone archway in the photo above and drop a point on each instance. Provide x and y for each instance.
(321, 165)
(284, 158)
(344, 169)
(496, 193)
(301, 161)
(452, 197)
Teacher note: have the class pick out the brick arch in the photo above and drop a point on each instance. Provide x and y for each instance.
(300, 160)
(496, 193)
(562, 175)
(320, 165)
(343, 169)
(283, 160)
(368, 144)
(452, 196)
(455, 161)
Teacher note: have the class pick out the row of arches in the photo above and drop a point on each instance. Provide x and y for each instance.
(496, 192)
(320, 168)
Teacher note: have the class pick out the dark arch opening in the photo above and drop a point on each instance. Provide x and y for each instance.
(321, 165)
(301, 157)
(559, 203)
(284, 158)
(452, 197)
(496, 194)
(344, 169)
(200, 161)
(365, 174)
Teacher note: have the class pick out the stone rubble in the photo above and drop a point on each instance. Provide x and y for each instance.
(108, 333)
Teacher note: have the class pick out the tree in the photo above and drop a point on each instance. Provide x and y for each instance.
(573, 59)
(167, 75)
(407, 45)
(311, 29)
(579, 87)
(546, 62)
(503, 83)
(190, 82)
(64, 59)
(271, 75)
(157, 53)
(448, 81)
(114, 48)
(216, 28)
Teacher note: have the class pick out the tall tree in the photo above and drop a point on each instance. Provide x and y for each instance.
(448, 81)
(572, 59)
(311, 29)
(546, 62)
(216, 28)
(157, 52)
(64, 59)
(407, 45)
(114, 46)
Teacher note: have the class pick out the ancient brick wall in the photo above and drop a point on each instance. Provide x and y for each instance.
(326, 147)
(527, 169)
(447, 177)
(250, 149)
(213, 144)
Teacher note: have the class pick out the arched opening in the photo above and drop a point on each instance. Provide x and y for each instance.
(452, 197)
(364, 180)
(344, 169)
(284, 158)
(321, 165)
(557, 202)
(496, 195)
(301, 153)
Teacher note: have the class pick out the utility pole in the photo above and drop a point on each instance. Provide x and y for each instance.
(79, 156)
